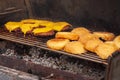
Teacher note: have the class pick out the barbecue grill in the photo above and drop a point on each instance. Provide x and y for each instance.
(94, 15)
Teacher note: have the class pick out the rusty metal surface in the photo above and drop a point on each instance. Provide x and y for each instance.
(9, 5)
(10, 12)
(113, 69)
(28, 6)
(36, 69)
(102, 14)
(40, 42)
(12, 74)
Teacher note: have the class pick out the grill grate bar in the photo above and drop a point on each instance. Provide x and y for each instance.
(87, 55)
(40, 42)
(91, 56)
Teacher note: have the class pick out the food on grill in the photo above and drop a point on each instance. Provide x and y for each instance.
(61, 26)
(26, 28)
(57, 44)
(105, 50)
(74, 47)
(29, 21)
(84, 38)
(35, 21)
(105, 35)
(117, 41)
(81, 31)
(110, 42)
(43, 31)
(46, 23)
(67, 35)
(91, 44)
(38, 23)
(57, 26)
(12, 26)
(37, 27)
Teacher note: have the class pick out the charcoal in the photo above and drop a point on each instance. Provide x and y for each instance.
(10, 45)
(2, 44)
(55, 61)
(21, 49)
(34, 52)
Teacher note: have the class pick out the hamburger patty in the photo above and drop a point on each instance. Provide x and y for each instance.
(42, 34)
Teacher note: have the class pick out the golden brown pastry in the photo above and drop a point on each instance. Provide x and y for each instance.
(110, 42)
(117, 41)
(57, 44)
(80, 31)
(105, 50)
(67, 35)
(105, 35)
(74, 47)
(91, 44)
(84, 38)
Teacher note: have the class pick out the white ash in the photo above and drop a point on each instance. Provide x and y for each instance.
(48, 59)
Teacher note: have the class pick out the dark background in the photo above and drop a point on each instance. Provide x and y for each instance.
(99, 14)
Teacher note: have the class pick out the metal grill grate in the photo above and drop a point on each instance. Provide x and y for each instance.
(40, 42)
